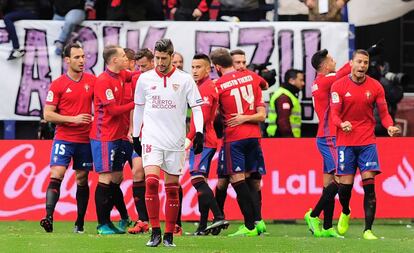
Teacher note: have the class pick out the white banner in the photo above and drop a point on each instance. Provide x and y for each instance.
(286, 45)
(369, 12)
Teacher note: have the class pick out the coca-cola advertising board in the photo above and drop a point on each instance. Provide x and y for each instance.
(292, 185)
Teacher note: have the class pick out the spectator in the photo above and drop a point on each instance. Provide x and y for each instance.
(178, 61)
(73, 13)
(190, 10)
(18, 10)
(134, 10)
(325, 10)
(239, 10)
(284, 116)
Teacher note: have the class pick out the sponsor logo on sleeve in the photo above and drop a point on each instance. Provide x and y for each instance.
(49, 97)
(109, 94)
(199, 101)
(335, 97)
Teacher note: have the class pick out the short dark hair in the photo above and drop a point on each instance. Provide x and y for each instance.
(318, 58)
(360, 51)
(292, 74)
(221, 57)
(145, 52)
(164, 45)
(109, 52)
(237, 52)
(130, 54)
(202, 57)
(68, 48)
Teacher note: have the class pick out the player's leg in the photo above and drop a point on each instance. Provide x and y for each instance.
(138, 192)
(178, 230)
(59, 160)
(152, 161)
(101, 153)
(235, 160)
(82, 164)
(347, 164)
(368, 164)
(255, 164)
(173, 166)
(327, 148)
(122, 151)
(222, 182)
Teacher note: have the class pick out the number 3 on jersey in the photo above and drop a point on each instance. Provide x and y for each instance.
(245, 92)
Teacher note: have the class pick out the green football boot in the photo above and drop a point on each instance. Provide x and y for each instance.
(343, 223)
(261, 227)
(330, 232)
(244, 231)
(313, 223)
(368, 235)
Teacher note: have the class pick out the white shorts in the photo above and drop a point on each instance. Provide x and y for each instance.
(172, 162)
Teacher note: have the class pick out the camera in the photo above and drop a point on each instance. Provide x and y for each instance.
(261, 69)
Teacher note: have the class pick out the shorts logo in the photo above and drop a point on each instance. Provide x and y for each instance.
(370, 164)
(335, 97)
(342, 166)
(175, 86)
(109, 94)
(238, 169)
(49, 97)
(55, 158)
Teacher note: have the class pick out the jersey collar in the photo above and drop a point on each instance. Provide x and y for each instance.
(166, 75)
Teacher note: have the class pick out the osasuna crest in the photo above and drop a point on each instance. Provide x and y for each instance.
(175, 86)
(87, 87)
(368, 94)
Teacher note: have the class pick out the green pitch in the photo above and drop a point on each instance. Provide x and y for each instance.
(27, 237)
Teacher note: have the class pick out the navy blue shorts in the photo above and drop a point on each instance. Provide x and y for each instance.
(64, 151)
(327, 148)
(200, 164)
(127, 151)
(352, 157)
(240, 157)
(107, 155)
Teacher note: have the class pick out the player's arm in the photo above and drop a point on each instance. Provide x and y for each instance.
(343, 71)
(385, 117)
(195, 101)
(283, 107)
(51, 115)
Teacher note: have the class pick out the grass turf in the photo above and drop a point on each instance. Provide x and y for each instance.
(27, 237)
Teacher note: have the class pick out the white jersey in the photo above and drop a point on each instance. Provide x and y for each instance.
(165, 101)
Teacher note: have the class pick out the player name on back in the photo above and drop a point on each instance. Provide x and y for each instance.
(237, 81)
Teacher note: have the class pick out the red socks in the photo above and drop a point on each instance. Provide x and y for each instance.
(152, 200)
(172, 206)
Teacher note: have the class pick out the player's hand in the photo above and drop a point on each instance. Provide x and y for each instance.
(83, 118)
(393, 131)
(172, 11)
(197, 13)
(129, 135)
(346, 126)
(137, 145)
(236, 120)
(187, 143)
(198, 143)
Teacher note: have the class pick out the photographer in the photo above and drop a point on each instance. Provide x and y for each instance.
(284, 117)
(392, 83)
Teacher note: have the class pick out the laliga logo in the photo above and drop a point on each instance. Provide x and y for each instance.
(402, 184)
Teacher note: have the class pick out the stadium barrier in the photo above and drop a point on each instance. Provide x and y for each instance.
(292, 185)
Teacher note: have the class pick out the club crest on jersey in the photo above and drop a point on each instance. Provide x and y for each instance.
(49, 97)
(368, 94)
(175, 86)
(109, 94)
(87, 87)
(335, 97)
(206, 100)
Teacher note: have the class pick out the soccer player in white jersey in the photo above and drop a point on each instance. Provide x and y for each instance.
(161, 98)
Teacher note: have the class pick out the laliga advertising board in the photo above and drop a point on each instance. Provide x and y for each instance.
(292, 185)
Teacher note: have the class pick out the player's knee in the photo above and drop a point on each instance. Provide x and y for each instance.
(171, 190)
(57, 172)
(152, 184)
(82, 178)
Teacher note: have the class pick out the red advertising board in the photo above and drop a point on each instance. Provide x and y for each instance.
(292, 185)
